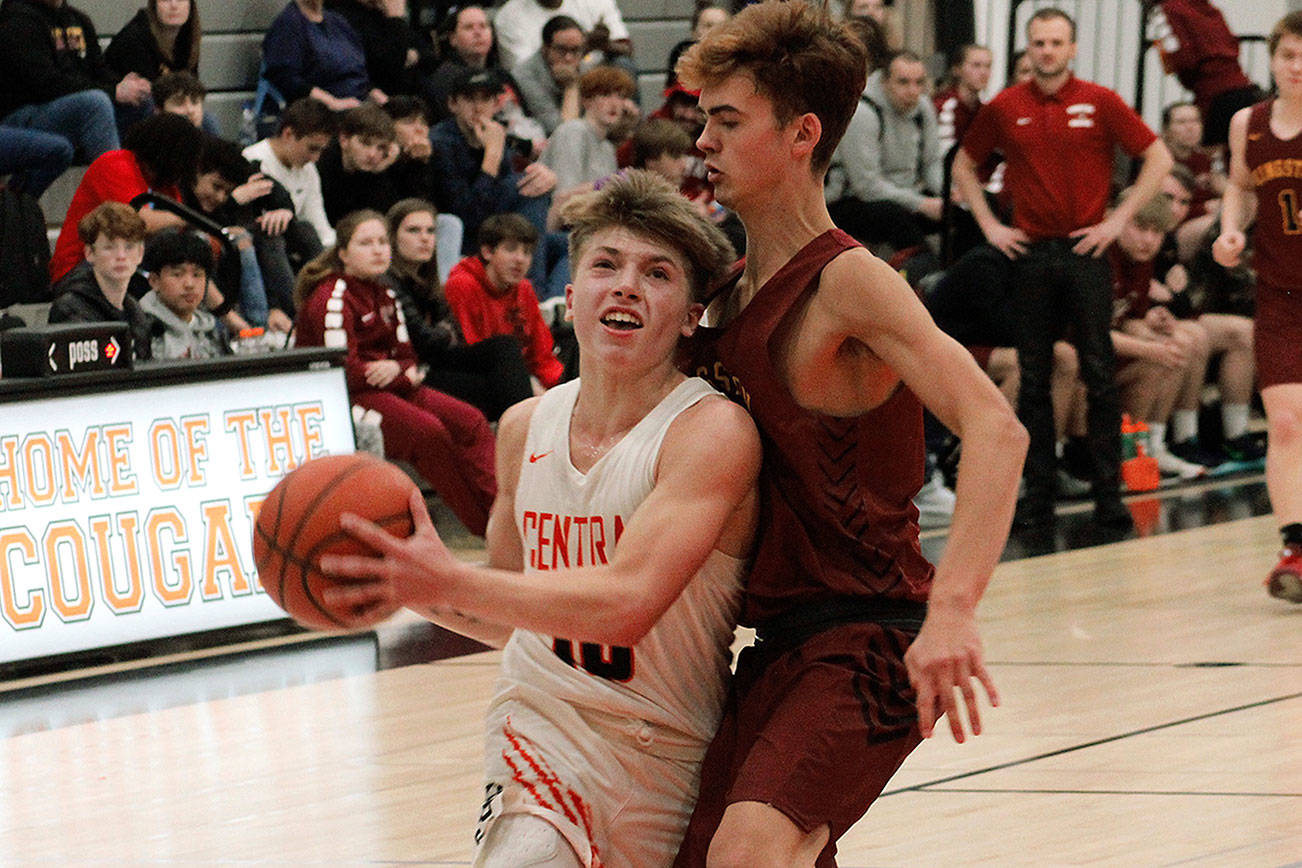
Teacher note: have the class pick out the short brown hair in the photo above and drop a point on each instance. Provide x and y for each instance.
(368, 121)
(1290, 24)
(603, 80)
(112, 220)
(799, 58)
(507, 226)
(655, 137)
(648, 205)
(1050, 14)
(1156, 213)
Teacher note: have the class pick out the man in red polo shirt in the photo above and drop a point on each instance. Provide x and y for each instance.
(1058, 135)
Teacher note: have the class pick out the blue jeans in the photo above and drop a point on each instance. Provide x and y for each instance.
(84, 118)
(33, 158)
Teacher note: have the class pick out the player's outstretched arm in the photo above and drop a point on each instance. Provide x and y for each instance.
(867, 301)
(1229, 245)
(703, 499)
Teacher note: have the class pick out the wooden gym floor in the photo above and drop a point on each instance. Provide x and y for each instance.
(1152, 715)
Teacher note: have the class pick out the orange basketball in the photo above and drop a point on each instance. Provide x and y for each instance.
(299, 522)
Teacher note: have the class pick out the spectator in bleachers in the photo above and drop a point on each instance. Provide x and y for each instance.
(490, 295)
(1198, 47)
(289, 157)
(1058, 179)
(519, 25)
(491, 373)
(878, 11)
(112, 241)
(343, 302)
(413, 172)
(473, 167)
(161, 156)
(178, 263)
(252, 208)
(465, 41)
(549, 78)
(354, 167)
(1173, 353)
(162, 38)
(53, 77)
(312, 51)
(1182, 130)
(396, 54)
(33, 159)
(580, 151)
(957, 104)
(182, 93)
(706, 15)
(886, 174)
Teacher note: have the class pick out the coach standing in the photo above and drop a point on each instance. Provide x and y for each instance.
(1058, 135)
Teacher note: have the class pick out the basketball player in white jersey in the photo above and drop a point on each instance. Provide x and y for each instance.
(616, 548)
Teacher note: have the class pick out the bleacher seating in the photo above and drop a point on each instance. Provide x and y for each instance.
(231, 55)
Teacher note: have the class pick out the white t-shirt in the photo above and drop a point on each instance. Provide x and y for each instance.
(519, 24)
(303, 184)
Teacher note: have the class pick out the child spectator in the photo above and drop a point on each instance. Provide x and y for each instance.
(343, 302)
(289, 157)
(580, 151)
(181, 93)
(161, 155)
(1163, 359)
(112, 236)
(490, 294)
(179, 262)
(489, 374)
(354, 167)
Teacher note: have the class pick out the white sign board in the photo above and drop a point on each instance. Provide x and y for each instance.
(128, 516)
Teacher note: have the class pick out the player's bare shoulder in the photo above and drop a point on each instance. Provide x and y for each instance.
(715, 426)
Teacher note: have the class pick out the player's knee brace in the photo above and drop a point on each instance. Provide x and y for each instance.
(525, 841)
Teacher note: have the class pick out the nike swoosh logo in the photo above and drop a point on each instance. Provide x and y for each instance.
(534, 457)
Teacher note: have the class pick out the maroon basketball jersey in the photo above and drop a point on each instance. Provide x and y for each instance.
(1276, 171)
(837, 516)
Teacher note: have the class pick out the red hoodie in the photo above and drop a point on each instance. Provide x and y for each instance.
(483, 312)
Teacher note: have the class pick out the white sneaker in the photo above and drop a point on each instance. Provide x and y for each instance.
(1173, 465)
(935, 502)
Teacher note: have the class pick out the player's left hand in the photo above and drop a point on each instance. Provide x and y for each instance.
(403, 572)
(944, 658)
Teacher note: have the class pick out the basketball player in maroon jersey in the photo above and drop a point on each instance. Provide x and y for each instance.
(861, 646)
(1266, 159)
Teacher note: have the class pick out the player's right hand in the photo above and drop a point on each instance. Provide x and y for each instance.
(1009, 241)
(1228, 247)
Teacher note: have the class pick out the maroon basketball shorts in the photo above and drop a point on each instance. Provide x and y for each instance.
(815, 731)
(1277, 335)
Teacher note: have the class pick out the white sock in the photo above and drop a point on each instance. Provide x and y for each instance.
(1234, 420)
(1184, 425)
(1157, 437)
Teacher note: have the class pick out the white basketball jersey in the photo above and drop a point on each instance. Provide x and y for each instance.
(675, 676)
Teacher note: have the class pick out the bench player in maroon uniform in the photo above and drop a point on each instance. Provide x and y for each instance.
(861, 648)
(1266, 158)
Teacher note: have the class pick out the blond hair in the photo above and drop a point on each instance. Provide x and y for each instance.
(646, 204)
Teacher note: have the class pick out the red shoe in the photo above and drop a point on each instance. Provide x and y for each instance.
(1285, 580)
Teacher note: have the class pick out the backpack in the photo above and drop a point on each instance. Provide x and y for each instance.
(24, 250)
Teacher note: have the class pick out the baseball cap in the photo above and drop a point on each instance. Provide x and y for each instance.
(468, 81)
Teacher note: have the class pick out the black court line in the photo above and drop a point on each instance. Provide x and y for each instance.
(1089, 744)
(1069, 792)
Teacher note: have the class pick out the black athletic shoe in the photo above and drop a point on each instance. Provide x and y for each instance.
(1112, 514)
(1034, 513)
(1193, 452)
(1244, 448)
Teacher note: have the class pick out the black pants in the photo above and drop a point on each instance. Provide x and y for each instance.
(490, 375)
(1057, 293)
